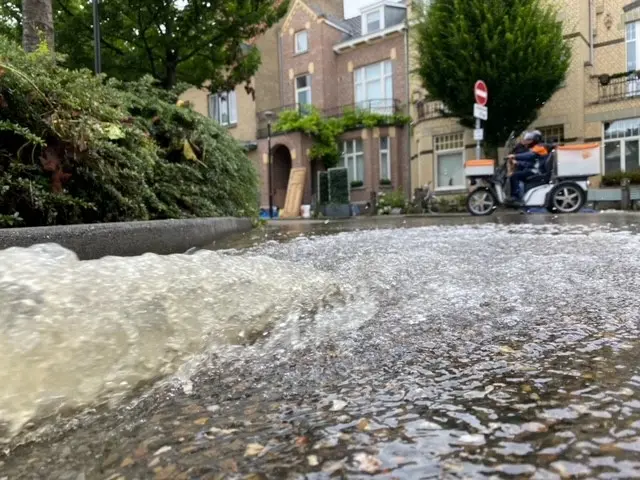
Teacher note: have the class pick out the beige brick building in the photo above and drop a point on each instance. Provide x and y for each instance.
(237, 110)
(591, 106)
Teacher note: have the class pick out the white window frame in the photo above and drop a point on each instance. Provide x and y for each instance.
(351, 158)
(551, 131)
(365, 22)
(296, 46)
(386, 151)
(219, 102)
(632, 86)
(437, 153)
(303, 89)
(387, 96)
(623, 145)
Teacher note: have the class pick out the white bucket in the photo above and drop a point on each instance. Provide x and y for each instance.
(305, 211)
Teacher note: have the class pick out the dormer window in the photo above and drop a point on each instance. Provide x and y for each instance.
(372, 21)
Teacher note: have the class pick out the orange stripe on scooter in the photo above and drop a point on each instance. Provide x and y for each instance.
(479, 163)
(586, 146)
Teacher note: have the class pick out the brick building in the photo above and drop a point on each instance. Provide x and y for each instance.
(336, 64)
(315, 56)
(594, 104)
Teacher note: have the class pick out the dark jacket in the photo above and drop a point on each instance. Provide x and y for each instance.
(519, 148)
(529, 159)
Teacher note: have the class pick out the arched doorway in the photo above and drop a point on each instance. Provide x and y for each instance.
(281, 170)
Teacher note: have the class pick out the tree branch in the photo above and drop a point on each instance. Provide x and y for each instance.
(215, 41)
(147, 48)
(89, 28)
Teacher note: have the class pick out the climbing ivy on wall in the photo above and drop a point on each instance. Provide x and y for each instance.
(326, 131)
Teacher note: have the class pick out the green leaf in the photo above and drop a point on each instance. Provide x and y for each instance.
(114, 132)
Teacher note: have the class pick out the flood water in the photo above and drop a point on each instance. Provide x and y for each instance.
(460, 348)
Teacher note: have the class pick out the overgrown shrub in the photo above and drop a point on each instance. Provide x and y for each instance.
(76, 148)
(390, 200)
(452, 204)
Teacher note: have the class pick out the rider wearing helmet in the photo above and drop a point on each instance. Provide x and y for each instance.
(520, 147)
(526, 162)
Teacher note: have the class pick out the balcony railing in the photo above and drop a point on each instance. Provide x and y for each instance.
(383, 107)
(428, 109)
(620, 86)
(388, 107)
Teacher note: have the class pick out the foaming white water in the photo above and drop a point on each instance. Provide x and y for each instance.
(74, 332)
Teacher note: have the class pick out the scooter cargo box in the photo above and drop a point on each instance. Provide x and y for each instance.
(578, 160)
(479, 168)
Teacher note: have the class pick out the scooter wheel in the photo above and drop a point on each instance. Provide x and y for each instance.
(481, 202)
(566, 198)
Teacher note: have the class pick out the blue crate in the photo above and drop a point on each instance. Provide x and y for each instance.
(264, 213)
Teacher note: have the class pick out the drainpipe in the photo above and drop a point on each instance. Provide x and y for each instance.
(408, 95)
(591, 32)
(280, 75)
(419, 162)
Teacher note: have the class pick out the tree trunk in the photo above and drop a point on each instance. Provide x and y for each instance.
(171, 61)
(37, 24)
(171, 69)
(171, 75)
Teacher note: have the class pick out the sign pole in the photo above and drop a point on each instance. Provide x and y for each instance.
(480, 112)
(478, 147)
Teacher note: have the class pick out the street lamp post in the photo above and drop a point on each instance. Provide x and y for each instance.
(269, 116)
(96, 37)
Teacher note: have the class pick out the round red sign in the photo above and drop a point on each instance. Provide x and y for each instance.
(481, 93)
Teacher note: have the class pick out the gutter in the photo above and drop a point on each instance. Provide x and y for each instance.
(407, 59)
(280, 76)
(341, 47)
(337, 27)
(591, 32)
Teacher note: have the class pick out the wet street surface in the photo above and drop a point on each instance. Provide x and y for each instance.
(495, 348)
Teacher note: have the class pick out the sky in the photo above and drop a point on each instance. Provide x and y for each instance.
(351, 7)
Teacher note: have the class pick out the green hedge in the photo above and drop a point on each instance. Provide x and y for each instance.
(76, 148)
(339, 186)
(614, 179)
(323, 188)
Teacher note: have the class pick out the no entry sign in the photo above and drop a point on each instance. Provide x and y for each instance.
(481, 92)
